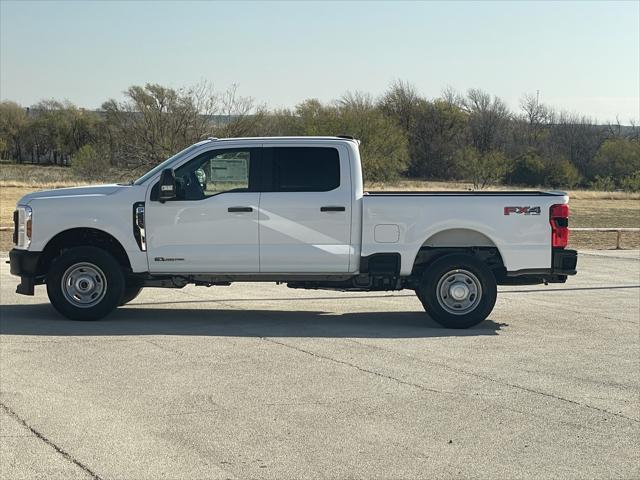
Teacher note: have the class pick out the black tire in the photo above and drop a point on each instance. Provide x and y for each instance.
(465, 274)
(131, 290)
(83, 268)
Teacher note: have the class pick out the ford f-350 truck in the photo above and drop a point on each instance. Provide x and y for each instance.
(290, 210)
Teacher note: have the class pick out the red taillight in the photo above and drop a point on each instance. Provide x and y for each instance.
(559, 219)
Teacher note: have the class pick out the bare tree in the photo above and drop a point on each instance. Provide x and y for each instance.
(452, 97)
(535, 120)
(488, 119)
(577, 138)
(634, 131)
(207, 105)
(242, 116)
(536, 113)
(617, 130)
(155, 121)
(401, 102)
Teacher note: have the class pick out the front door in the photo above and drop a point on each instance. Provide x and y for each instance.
(305, 210)
(212, 224)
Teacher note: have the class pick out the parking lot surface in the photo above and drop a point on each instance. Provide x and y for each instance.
(262, 381)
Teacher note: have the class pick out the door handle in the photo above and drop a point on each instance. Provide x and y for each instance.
(332, 209)
(240, 209)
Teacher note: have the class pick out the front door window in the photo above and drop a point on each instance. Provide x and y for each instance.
(214, 172)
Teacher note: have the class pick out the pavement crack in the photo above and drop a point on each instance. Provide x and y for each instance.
(563, 399)
(353, 365)
(433, 390)
(66, 455)
(163, 347)
(506, 384)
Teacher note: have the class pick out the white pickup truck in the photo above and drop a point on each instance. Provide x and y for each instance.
(289, 210)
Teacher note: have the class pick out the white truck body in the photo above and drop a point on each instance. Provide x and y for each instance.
(263, 232)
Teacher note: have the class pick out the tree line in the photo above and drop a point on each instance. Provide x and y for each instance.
(472, 136)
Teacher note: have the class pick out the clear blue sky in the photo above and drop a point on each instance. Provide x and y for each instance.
(582, 56)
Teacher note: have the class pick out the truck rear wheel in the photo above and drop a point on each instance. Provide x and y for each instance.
(458, 291)
(85, 283)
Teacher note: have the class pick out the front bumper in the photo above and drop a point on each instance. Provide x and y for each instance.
(25, 264)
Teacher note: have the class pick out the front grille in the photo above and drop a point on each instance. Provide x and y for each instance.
(16, 220)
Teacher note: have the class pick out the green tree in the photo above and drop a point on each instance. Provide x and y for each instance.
(631, 183)
(528, 169)
(436, 135)
(561, 173)
(383, 146)
(50, 131)
(435, 129)
(483, 169)
(603, 184)
(13, 122)
(88, 164)
(618, 158)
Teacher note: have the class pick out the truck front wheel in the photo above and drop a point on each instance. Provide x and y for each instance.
(85, 283)
(458, 291)
(131, 290)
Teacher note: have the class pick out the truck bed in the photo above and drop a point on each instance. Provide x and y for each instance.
(405, 222)
(456, 193)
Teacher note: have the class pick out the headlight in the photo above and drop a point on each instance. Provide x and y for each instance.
(22, 226)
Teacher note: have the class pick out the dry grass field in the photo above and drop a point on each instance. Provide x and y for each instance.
(50, 176)
(588, 208)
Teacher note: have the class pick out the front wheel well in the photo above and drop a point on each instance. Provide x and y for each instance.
(83, 237)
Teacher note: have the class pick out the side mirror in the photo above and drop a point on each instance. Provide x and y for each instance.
(167, 185)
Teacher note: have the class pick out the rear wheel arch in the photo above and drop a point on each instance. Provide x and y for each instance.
(459, 240)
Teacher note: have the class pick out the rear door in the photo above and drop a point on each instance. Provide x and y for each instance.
(305, 209)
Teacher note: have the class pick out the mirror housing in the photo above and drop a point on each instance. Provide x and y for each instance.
(167, 185)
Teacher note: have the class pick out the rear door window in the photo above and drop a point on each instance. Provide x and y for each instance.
(304, 169)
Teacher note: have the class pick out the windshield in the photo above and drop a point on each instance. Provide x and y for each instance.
(167, 162)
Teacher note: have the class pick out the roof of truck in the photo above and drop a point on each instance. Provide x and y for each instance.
(284, 139)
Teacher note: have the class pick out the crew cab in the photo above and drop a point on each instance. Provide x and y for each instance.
(290, 210)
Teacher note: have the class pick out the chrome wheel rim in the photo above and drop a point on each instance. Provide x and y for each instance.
(459, 292)
(84, 285)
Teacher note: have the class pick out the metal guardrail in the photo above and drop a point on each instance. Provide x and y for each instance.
(612, 229)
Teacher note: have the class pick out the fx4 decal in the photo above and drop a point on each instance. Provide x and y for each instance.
(522, 210)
